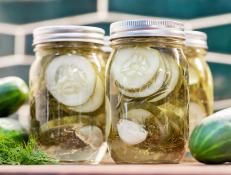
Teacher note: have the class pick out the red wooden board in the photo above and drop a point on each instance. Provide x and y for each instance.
(170, 169)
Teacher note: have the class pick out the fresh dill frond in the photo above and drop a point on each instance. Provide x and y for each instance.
(16, 150)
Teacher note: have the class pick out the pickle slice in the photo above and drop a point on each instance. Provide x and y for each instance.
(70, 79)
(76, 121)
(174, 77)
(196, 114)
(130, 132)
(193, 76)
(138, 115)
(134, 68)
(91, 135)
(95, 101)
(155, 85)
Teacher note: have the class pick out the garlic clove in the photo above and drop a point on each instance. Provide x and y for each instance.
(130, 132)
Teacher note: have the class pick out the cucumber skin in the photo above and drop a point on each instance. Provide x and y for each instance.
(210, 141)
(13, 94)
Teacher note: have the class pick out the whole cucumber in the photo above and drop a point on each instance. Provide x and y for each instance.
(13, 94)
(210, 141)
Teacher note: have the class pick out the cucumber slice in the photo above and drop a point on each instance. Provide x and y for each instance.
(174, 77)
(193, 76)
(72, 121)
(196, 110)
(95, 101)
(70, 79)
(133, 68)
(196, 114)
(138, 115)
(155, 85)
(130, 132)
(91, 135)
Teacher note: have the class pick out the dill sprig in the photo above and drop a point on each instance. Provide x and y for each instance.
(14, 150)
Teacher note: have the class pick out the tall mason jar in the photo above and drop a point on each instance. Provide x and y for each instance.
(67, 93)
(147, 92)
(200, 77)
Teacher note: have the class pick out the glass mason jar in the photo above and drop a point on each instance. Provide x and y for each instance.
(200, 78)
(67, 93)
(147, 92)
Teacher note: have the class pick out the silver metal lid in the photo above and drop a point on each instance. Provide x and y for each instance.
(146, 27)
(196, 39)
(68, 33)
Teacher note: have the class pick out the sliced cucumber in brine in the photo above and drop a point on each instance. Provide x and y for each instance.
(152, 88)
(73, 121)
(91, 135)
(130, 132)
(173, 68)
(138, 115)
(196, 110)
(135, 67)
(95, 101)
(71, 79)
(196, 114)
(193, 76)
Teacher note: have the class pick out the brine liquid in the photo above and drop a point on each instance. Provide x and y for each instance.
(145, 130)
(57, 132)
(201, 91)
(64, 143)
(165, 142)
(62, 131)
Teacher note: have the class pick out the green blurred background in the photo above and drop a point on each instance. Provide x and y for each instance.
(18, 18)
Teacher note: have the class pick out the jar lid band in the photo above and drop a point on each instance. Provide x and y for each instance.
(68, 33)
(196, 39)
(146, 27)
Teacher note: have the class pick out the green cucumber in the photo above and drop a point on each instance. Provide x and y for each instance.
(13, 93)
(210, 141)
(12, 128)
(11, 124)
